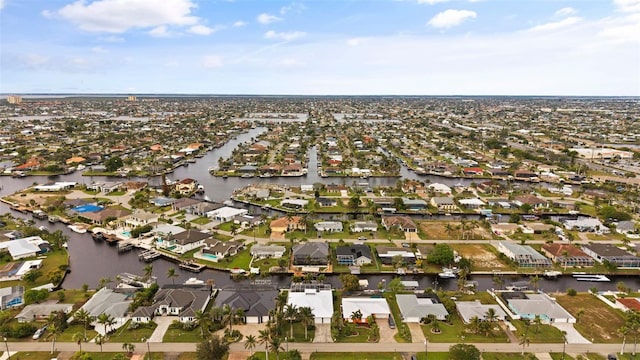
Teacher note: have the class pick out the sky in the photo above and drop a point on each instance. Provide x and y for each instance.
(321, 47)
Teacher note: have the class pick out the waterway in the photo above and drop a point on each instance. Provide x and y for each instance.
(93, 260)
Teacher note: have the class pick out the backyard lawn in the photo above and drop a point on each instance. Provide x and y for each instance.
(598, 321)
(451, 333)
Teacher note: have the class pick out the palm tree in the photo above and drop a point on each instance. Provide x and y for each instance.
(281, 301)
(534, 282)
(171, 274)
(228, 316)
(202, 319)
(250, 343)
(290, 313)
(537, 320)
(240, 315)
(148, 271)
(624, 331)
(474, 324)
(263, 338)
(306, 317)
(99, 339)
(128, 347)
(83, 316)
(524, 341)
(217, 313)
(105, 320)
(275, 345)
(79, 338)
(491, 316)
(54, 330)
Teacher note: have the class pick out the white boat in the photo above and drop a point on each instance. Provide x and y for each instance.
(551, 273)
(447, 274)
(79, 228)
(194, 281)
(590, 277)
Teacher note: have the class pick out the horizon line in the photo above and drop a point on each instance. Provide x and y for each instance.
(4, 94)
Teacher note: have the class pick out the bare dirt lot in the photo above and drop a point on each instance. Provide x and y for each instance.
(481, 255)
(438, 230)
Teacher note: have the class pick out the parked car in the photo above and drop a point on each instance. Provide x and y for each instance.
(611, 357)
(39, 332)
(392, 323)
(362, 238)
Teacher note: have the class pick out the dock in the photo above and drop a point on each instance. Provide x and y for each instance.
(125, 246)
(191, 266)
(149, 255)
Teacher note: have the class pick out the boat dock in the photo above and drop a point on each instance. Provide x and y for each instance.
(125, 246)
(149, 255)
(191, 266)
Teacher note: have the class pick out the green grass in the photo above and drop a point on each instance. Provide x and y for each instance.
(451, 333)
(503, 356)
(356, 356)
(539, 333)
(124, 334)
(558, 356)
(174, 334)
(201, 221)
(361, 337)
(598, 321)
(433, 356)
(298, 333)
(395, 312)
(33, 355)
(67, 335)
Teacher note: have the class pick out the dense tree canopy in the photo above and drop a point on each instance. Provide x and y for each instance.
(442, 254)
(464, 352)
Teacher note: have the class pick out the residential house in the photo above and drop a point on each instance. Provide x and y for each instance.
(366, 306)
(355, 254)
(473, 171)
(326, 201)
(531, 200)
(256, 303)
(180, 300)
(267, 251)
(328, 226)
(25, 247)
(226, 214)
(107, 301)
(586, 224)
(387, 253)
(318, 299)
(217, 250)
(414, 307)
(440, 188)
(414, 204)
(186, 186)
(567, 255)
(615, 255)
(311, 253)
(443, 203)
(184, 241)
(524, 255)
(40, 312)
(362, 226)
(470, 309)
(287, 223)
(106, 215)
(294, 203)
(528, 306)
(184, 204)
(141, 218)
(473, 203)
(403, 223)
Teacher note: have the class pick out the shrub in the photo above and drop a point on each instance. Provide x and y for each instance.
(571, 292)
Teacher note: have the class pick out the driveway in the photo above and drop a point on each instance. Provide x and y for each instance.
(249, 329)
(323, 334)
(417, 336)
(386, 333)
(573, 336)
(163, 324)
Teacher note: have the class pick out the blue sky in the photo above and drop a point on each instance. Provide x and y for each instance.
(317, 47)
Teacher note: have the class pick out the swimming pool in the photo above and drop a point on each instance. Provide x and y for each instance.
(87, 208)
(209, 257)
(126, 233)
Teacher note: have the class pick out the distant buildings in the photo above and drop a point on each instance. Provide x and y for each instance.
(14, 99)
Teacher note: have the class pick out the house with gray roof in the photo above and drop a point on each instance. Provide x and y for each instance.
(414, 204)
(179, 300)
(527, 306)
(414, 307)
(443, 203)
(362, 226)
(328, 226)
(107, 301)
(524, 255)
(615, 255)
(470, 309)
(256, 303)
(356, 254)
(34, 312)
(311, 253)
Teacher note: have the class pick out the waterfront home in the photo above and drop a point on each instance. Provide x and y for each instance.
(531, 200)
(366, 306)
(256, 303)
(318, 298)
(311, 253)
(414, 204)
(528, 305)
(326, 202)
(226, 214)
(586, 224)
(403, 223)
(287, 223)
(141, 218)
(471, 309)
(472, 203)
(328, 226)
(627, 228)
(473, 171)
(524, 255)
(161, 201)
(362, 226)
(355, 254)
(106, 301)
(185, 186)
(202, 208)
(615, 255)
(39, 312)
(443, 203)
(294, 203)
(629, 303)
(414, 307)
(439, 188)
(215, 250)
(387, 253)
(248, 221)
(25, 247)
(105, 187)
(267, 251)
(504, 228)
(11, 296)
(184, 204)
(185, 241)
(567, 255)
(57, 186)
(103, 216)
(179, 300)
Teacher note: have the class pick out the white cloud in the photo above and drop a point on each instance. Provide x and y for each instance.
(112, 39)
(355, 41)
(451, 17)
(565, 11)
(117, 16)
(292, 63)
(627, 5)
(99, 50)
(265, 18)
(239, 23)
(555, 25)
(286, 36)
(296, 7)
(431, 2)
(201, 30)
(2, 3)
(160, 31)
(212, 61)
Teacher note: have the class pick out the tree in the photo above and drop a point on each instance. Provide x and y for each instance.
(263, 339)
(171, 274)
(464, 352)
(395, 285)
(349, 282)
(128, 347)
(114, 163)
(228, 316)
(632, 322)
(214, 348)
(306, 318)
(148, 271)
(106, 320)
(54, 330)
(85, 318)
(290, 313)
(250, 343)
(99, 339)
(275, 345)
(624, 331)
(356, 316)
(534, 282)
(202, 319)
(525, 340)
(442, 254)
(78, 338)
(537, 321)
(491, 316)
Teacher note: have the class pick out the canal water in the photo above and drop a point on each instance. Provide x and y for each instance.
(93, 260)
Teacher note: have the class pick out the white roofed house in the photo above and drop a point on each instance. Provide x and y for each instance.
(387, 253)
(414, 307)
(473, 203)
(471, 309)
(328, 226)
(527, 306)
(180, 301)
(362, 226)
(367, 306)
(319, 299)
(524, 255)
(226, 213)
(141, 218)
(586, 225)
(25, 247)
(267, 251)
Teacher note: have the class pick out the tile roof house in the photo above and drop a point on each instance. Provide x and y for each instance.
(404, 223)
(567, 255)
(256, 303)
(285, 223)
(184, 241)
(109, 302)
(319, 300)
(311, 253)
(443, 203)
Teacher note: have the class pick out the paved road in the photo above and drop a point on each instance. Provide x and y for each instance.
(330, 347)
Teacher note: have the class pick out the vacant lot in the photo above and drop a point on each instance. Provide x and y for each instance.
(438, 230)
(597, 321)
(483, 256)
